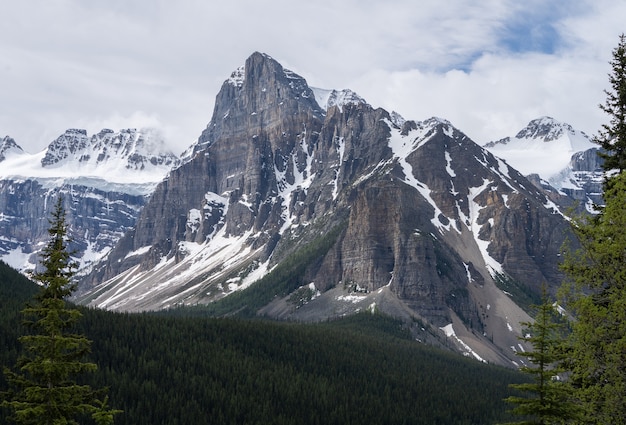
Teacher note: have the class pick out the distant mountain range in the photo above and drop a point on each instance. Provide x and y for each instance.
(306, 204)
(105, 179)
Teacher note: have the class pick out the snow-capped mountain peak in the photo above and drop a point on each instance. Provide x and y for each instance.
(137, 149)
(9, 148)
(136, 158)
(544, 147)
(546, 129)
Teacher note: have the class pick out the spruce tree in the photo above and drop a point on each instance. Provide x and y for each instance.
(595, 288)
(612, 136)
(548, 398)
(44, 388)
(596, 294)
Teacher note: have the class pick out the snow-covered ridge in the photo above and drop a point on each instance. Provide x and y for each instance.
(544, 147)
(130, 157)
(329, 98)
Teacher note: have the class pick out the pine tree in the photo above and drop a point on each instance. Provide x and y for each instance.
(596, 295)
(548, 399)
(612, 137)
(44, 390)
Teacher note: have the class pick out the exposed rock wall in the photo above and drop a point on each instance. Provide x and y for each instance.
(425, 215)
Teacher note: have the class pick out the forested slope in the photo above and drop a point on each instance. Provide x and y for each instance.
(173, 370)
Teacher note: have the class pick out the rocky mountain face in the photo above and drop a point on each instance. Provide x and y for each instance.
(416, 219)
(105, 180)
(97, 220)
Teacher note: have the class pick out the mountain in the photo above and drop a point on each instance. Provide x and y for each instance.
(9, 148)
(564, 158)
(105, 179)
(294, 206)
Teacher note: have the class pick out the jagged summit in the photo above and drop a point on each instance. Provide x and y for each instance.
(257, 87)
(8, 147)
(546, 129)
(544, 147)
(261, 92)
(129, 156)
(415, 218)
(137, 149)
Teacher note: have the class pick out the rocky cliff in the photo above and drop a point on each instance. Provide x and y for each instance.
(96, 219)
(104, 178)
(415, 218)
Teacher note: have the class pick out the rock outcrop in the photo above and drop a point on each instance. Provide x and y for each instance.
(9, 147)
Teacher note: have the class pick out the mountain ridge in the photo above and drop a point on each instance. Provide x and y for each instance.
(315, 199)
(125, 157)
(427, 220)
(105, 179)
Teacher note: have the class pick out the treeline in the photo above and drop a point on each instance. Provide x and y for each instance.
(365, 369)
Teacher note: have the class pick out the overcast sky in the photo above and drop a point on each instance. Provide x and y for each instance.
(488, 66)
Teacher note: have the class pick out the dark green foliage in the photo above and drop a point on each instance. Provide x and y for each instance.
(15, 290)
(548, 399)
(175, 371)
(44, 390)
(612, 137)
(362, 369)
(596, 295)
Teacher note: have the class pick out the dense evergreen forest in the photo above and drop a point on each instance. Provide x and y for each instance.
(197, 370)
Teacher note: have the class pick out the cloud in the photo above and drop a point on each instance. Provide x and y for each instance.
(487, 66)
(498, 96)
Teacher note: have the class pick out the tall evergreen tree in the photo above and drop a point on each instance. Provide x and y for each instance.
(44, 389)
(596, 286)
(549, 397)
(612, 136)
(596, 294)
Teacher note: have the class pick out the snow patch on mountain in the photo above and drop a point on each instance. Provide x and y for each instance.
(208, 266)
(449, 332)
(341, 150)
(302, 179)
(544, 147)
(128, 161)
(402, 146)
(329, 98)
(474, 212)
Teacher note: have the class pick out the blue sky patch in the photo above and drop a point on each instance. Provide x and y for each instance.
(528, 35)
(533, 28)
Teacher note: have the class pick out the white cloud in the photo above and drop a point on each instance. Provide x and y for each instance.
(70, 63)
(498, 96)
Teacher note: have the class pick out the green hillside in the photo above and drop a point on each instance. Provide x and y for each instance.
(361, 370)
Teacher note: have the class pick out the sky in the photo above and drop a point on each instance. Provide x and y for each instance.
(489, 66)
